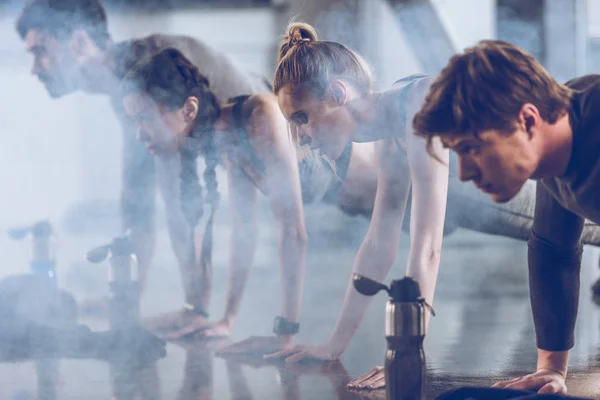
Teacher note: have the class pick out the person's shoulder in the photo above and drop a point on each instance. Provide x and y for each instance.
(178, 41)
(263, 104)
(590, 81)
(413, 78)
(586, 98)
(413, 87)
(263, 111)
(262, 107)
(191, 47)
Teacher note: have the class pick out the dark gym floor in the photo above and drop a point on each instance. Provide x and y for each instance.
(483, 330)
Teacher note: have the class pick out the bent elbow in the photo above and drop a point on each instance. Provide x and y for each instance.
(295, 234)
(432, 257)
(429, 258)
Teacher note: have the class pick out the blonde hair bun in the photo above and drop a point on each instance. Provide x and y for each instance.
(299, 32)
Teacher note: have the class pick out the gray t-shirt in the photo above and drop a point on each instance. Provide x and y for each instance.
(226, 79)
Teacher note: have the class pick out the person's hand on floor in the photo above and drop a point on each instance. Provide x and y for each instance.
(372, 380)
(544, 381)
(302, 352)
(182, 323)
(200, 328)
(257, 345)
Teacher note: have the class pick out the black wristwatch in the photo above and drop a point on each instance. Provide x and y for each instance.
(195, 309)
(283, 327)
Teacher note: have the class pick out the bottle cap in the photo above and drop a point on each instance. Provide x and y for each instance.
(121, 246)
(405, 290)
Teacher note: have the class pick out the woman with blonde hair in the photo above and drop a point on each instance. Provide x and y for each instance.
(324, 90)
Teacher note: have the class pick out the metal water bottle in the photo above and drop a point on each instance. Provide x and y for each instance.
(42, 264)
(405, 366)
(124, 309)
(44, 246)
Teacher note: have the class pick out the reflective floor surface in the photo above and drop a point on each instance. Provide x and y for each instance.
(483, 331)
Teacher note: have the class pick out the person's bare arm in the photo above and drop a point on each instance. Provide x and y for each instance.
(429, 179)
(243, 240)
(268, 134)
(379, 248)
(375, 255)
(195, 281)
(283, 184)
(429, 194)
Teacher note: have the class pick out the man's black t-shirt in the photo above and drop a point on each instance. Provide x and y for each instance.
(562, 203)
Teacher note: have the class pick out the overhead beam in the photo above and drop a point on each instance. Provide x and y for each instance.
(420, 21)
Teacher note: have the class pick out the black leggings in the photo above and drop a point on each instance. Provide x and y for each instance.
(471, 209)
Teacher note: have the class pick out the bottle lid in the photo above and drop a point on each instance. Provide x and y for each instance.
(121, 246)
(42, 229)
(405, 290)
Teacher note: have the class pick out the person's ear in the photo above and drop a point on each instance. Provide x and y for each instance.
(337, 92)
(81, 45)
(530, 120)
(190, 109)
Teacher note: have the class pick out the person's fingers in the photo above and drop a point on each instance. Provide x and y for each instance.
(232, 349)
(377, 381)
(249, 345)
(186, 330)
(502, 384)
(301, 355)
(357, 382)
(282, 353)
(212, 334)
(529, 383)
(164, 322)
(553, 387)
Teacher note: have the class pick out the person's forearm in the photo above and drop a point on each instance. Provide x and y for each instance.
(374, 262)
(292, 249)
(554, 291)
(195, 277)
(243, 250)
(424, 269)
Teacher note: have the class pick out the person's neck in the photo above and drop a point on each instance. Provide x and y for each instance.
(224, 127)
(375, 116)
(557, 147)
(101, 73)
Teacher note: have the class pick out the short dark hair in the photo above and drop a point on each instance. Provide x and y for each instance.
(484, 88)
(61, 17)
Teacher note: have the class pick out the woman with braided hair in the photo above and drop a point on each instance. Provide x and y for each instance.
(178, 118)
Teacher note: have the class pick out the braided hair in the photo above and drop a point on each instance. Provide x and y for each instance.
(169, 79)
